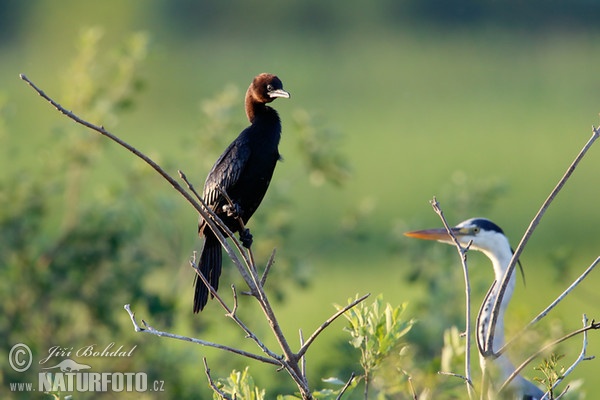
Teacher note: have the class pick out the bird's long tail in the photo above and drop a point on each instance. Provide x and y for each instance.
(210, 266)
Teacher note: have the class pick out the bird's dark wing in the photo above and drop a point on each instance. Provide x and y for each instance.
(226, 171)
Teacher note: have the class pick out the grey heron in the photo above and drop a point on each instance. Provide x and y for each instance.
(488, 238)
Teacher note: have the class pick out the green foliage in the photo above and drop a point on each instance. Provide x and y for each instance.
(240, 386)
(68, 265)
(332, 394)
(103, 83)
(466, 197)
(551, 372)
(453, 351)
(319, 147)
(376, 330)
(526, 91)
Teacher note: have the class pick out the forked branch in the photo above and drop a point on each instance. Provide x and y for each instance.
(246, 266)
(462, 251)
(534, 223)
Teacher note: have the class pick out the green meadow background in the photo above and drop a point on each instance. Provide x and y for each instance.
(483, 105)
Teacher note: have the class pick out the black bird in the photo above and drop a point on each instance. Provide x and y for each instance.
(243, 172)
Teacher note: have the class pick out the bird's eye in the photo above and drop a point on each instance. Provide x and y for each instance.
(476, 229)
(270, 88)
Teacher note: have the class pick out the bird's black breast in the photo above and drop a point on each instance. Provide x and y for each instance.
(245, 169)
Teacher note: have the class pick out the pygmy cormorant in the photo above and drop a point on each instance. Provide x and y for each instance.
(243, 172)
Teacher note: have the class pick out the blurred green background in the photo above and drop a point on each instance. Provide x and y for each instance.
(482, 104)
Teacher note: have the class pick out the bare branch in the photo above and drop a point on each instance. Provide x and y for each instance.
(235, 301)
(582, 357)
(562, 394)
(263, 279)
(212, 384)
(551, 306)
(325, 324)
(459, 376)
(155, 332)
(303, 358)
(133, 321)
(289, 361)
(346, 386)
(565, 293)
(216, 220)
(213, 221)
(462, 251)
(231, 313)
(534, 223)
(413, 392)
(592, 326)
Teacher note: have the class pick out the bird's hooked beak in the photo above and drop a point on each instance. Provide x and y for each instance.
(439, 234)
(278, 93)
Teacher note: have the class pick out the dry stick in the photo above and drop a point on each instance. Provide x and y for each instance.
(346, 386)
(290, 363)
(592, 326)
(454, 375)
(226, 229)
(325, 324)
(462, 251)
(413, 393)
(552, 305)
(303, 358)
(582, 357)
(212, 219)
(534, 223)
(263, 278)
(148, 329)
(266, 306)
(231, 313)
(214, 222)
(563, 393)
(250, 255)
(212, 383)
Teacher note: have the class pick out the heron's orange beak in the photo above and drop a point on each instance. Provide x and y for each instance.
(430, 234)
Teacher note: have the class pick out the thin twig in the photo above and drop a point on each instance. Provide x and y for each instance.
(303, 358)
(270, 263)
(455, 375)
(325, 324)
(232, 314)
(213, 221)
(413, 392)
(582, 357)
(152, 331)
(235, 301)
(217, 226)
(551, 306)
(563, 393)
(243, 231)
(212, 384)
(592, 326)
(534, 223)
(133, 321)
(346, 386)
(224, 227)
(462, 251)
